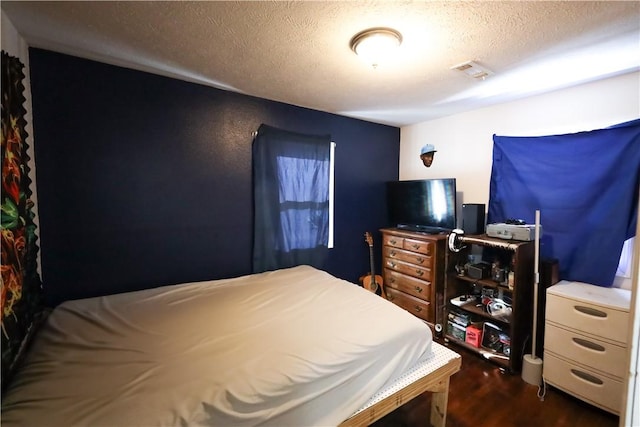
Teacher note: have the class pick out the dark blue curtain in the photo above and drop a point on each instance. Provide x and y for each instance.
(291, 199)
(586, 188)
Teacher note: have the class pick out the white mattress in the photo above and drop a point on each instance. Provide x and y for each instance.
(294, 347)
(439, 358)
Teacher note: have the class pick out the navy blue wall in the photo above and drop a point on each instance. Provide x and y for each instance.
(144, 180)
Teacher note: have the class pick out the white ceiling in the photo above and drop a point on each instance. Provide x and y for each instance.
(298, 52)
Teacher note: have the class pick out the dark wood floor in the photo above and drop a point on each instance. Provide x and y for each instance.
(481, 395)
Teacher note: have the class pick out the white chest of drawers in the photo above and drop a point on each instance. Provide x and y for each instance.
(585, 342)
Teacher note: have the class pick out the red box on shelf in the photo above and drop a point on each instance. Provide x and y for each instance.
(474, 335)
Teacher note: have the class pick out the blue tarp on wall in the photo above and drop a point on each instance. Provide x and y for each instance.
(586, 188)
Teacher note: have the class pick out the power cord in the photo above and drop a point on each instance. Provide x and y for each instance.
(542, 390)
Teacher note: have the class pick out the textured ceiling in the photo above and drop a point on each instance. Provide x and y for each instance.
(298, 52)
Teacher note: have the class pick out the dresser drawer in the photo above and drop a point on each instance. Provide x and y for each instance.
(415, 306)
(419, 246)
(418, 259)
(599, 355)
(604, 322)
(391, 240)
(414, 245)
(407, 284)
(600, 390)
(423, 273)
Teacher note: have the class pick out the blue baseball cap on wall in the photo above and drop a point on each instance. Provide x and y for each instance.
(428, 149)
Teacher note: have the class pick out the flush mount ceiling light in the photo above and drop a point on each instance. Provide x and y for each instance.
(376, 44)
(473, 70)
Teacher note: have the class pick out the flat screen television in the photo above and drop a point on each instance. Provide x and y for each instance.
(427, 205)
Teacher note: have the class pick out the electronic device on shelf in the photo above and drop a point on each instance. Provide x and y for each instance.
(480, 270)
(463, 300)
(426, 205)
(512, 230)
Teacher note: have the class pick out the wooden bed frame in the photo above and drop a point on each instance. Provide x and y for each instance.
(436, 382)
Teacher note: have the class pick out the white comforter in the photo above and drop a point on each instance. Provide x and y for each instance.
(295, 347)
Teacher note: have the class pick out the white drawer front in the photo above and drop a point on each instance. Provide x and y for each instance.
(600, 355)
(596, 389)
(592, 319)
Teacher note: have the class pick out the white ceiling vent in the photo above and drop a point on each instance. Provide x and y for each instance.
(473, 70)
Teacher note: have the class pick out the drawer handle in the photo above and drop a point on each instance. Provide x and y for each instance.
(418, 308)
(590, 311)
(392, 253)
(390, 297)
(588, 344)
(420, 260)
(587, 377)
(418, 289)
(393, 280)
(393, 241)
(420, 272)
(391, 264)
(415, 246)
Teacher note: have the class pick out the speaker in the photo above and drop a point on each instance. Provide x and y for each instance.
(473, 218)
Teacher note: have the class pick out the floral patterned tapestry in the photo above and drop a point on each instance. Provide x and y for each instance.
(21, 290)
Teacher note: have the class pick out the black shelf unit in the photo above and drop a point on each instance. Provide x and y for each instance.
(514, 330)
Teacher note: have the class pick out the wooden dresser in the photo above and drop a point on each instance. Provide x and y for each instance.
(585, 342)
(413, 271)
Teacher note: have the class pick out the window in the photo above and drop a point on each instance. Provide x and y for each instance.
(303, 199)
(293, 205)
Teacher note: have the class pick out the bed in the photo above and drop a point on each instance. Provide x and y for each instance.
(294, 347)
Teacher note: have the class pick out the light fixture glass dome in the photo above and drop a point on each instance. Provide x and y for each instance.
(376, 44)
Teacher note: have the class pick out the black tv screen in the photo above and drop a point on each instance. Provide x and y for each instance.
(427, 205)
